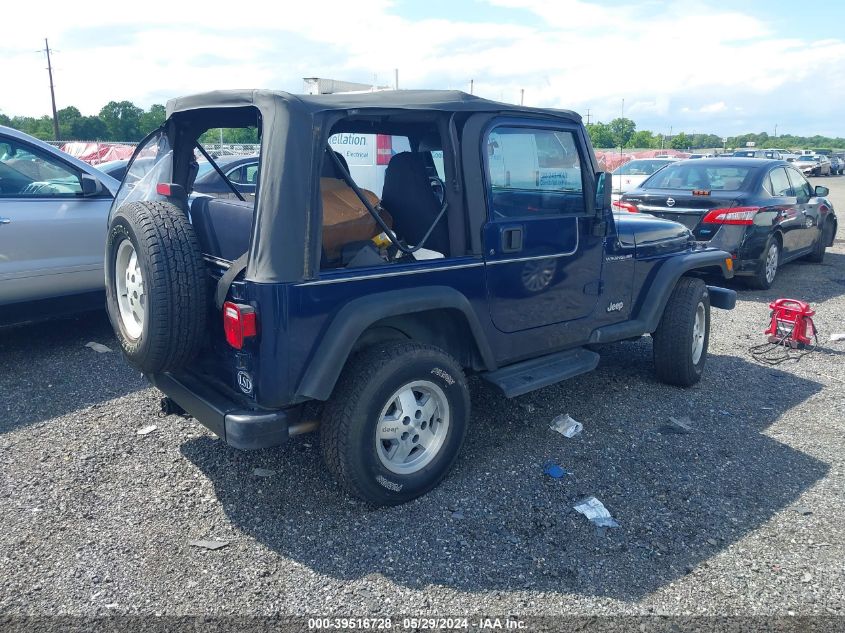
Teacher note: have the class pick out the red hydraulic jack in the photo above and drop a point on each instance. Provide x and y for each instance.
(791, 323)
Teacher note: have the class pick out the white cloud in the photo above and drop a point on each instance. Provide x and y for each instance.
(574, 54)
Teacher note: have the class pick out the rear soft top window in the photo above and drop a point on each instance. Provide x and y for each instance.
(697, 176)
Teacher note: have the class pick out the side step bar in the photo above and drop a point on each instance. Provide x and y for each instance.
(519, 378)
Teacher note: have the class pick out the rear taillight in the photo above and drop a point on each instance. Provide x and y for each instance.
(239, 322)
(625, 206)
(384, 149)
(735, 215)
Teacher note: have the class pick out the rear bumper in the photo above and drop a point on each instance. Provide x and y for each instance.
(239, 427)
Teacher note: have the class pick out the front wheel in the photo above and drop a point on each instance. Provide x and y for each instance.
(682, 337)
(825, 237)
(396, 422)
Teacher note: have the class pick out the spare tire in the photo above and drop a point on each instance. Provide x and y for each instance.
(156, 285)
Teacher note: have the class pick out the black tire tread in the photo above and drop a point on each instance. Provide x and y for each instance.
(670, 350)
(339, 410)
(757, 281)
(178, 287)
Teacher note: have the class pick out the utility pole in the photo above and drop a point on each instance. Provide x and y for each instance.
(521, 96)
(623, 107)
(52, 91)
(776, 130)
(471, 86)
(588, 116)
(396, 78)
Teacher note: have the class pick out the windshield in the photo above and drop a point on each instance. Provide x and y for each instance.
(744, 154)
(699, 176)
(640, 167)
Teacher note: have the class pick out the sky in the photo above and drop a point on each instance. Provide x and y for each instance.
(684, 65)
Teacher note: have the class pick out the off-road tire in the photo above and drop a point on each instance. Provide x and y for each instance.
(820, 247)
(175, 285)
(674, 361)
(759, 280)
(352, 415)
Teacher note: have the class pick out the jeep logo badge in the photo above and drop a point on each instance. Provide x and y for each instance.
(245, 382)
(670, 202)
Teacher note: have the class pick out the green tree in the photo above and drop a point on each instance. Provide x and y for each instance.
(600, 135)
(4, 120)
(622, 130)
(122, 120)
(152, 118)
(643, 140)
(680, 141)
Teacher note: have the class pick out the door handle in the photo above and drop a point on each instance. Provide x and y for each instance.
(5, 221)
(512, 239)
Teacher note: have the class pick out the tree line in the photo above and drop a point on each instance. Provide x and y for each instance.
(124, 121)
(622, 132)
(117, 121)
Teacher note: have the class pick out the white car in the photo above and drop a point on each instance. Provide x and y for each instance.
(633, 173)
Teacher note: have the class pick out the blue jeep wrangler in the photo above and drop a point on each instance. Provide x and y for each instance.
(490, 248)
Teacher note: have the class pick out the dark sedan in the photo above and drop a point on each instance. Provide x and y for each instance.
(764, 212)
(242, 172)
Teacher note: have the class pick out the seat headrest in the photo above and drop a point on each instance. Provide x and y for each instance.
(330, 169)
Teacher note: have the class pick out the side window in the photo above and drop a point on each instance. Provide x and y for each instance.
(780, 183)
(800, 185)
(236, 175)
(251, 174)
(28, 172)
(534, 172)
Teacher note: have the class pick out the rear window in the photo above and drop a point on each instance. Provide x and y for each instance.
(698, 176)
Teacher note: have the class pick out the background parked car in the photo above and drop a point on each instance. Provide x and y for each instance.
(750, 153)
(765, 213)
(813, 165)
(242, 171)
(836, 165)
(631, 174)
(53, 216)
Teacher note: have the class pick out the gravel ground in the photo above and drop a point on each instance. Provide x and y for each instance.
(743, 515)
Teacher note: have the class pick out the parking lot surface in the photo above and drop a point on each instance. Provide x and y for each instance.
(742, 515)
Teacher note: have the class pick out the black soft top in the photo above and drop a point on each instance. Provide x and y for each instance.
(284, 245)
(440, 100)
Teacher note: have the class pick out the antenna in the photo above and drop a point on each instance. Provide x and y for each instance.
(52, 90)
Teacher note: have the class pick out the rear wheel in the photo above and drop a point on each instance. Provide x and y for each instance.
(767, 266)
(682, 337)
(156, 289)
(395, 422)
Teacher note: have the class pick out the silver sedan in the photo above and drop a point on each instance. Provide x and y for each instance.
(53, 220)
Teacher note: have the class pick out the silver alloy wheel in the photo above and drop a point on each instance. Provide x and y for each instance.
(129, 287)
(772, 262)
(699, 330)
(412, 427)
(537, 275)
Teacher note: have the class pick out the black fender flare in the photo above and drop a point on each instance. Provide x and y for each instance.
(649, 308)
(356, 316)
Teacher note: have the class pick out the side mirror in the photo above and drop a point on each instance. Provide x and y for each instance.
(821, 191)
(90, 185)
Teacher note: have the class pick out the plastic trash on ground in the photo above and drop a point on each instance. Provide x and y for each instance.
(98, 347)
(554, 471)
(837, 336)
(146, 430)
(566, 426)
(595, 511)
(209, 544)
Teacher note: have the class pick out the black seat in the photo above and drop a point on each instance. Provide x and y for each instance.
(409, 198)
(223, 227)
